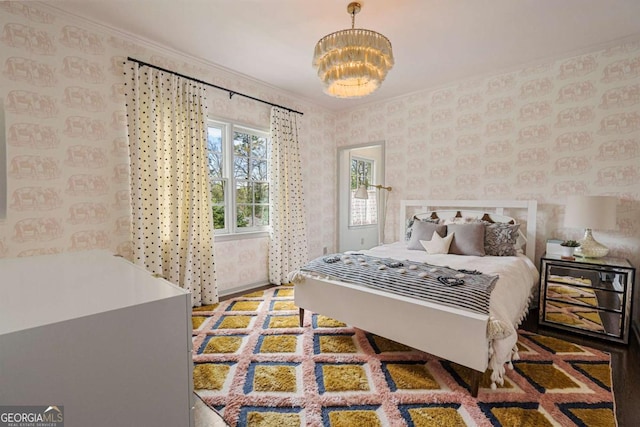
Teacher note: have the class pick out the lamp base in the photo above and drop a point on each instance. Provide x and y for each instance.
(590, 248)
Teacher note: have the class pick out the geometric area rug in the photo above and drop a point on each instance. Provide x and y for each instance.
(257, 367)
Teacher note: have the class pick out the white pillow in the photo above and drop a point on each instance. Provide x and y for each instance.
(437, 244)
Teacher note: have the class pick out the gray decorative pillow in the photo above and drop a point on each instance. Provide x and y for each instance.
(467, 240)
(500, 239)
(415, 219)
(423, 230)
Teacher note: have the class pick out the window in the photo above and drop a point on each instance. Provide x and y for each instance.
(363, 211)
(238, 170)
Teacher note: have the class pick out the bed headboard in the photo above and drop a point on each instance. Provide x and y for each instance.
(530, 207)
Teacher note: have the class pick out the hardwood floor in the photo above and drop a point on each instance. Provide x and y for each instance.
(625, 364)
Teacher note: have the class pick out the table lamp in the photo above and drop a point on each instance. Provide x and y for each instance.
(591, 213)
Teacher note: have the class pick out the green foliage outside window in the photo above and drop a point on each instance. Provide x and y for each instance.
(215, 160)
(250, 172)
(360, 172)
(218, 217)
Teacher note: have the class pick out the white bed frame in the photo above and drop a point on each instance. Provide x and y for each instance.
(456, 335)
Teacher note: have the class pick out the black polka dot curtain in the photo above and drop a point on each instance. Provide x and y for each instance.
(172, 225)
(288, 236)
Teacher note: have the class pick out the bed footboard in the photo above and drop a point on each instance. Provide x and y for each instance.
(452, 334)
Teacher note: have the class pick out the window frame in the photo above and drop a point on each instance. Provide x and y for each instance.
(231, 230)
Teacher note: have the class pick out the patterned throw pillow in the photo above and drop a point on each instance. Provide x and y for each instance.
(500, 239)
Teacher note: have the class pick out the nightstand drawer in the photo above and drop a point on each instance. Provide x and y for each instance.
(585, 297)
(597, 279)
(588, 319)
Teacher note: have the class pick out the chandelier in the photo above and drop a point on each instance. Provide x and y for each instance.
(354, 62)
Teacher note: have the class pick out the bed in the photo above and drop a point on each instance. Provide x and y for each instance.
(472, 339)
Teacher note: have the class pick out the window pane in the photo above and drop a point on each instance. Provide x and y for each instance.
(244, 216)
(362, 212)
(241, 167)
(214, 139)
(259, 147)
(262, 215)
(218, 217)
(358, 210)
(215, 164)
(354, 174)
(241, 144)
(217, 192)
(261, 192)
(214, 155)
(243, 192)
(259, 170)
(360, 172)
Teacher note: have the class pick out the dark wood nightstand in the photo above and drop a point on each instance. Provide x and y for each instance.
(588, 296)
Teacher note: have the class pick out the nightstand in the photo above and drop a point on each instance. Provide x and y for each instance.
(588, 296)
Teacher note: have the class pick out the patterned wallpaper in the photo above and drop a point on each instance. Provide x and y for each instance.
(67, 159)
(569, 126)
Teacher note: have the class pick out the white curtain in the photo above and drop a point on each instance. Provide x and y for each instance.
(172, 225)
(288, 236)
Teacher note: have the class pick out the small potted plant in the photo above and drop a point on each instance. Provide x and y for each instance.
(568, 247)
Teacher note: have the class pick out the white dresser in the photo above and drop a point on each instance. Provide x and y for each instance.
(98, 335)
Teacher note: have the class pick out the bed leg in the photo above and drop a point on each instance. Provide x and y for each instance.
(475, 382)
(301, 315)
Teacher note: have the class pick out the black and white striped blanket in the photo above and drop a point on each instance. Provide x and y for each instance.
(462, 289)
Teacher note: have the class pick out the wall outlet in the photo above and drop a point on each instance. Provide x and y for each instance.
(325, 250)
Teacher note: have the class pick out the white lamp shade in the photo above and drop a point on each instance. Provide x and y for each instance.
(594, 212)
(361, 192)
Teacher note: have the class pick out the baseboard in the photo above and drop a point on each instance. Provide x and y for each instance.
(242, 289)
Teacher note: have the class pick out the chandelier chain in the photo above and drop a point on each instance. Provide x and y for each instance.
(353, 8)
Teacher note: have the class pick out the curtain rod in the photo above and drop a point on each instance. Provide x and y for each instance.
(231, 92)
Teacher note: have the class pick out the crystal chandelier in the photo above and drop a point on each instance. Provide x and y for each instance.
(354, 62)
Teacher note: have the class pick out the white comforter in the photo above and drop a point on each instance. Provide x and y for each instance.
(509, 300)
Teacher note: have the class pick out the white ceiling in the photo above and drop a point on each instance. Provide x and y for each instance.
(434, 41)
